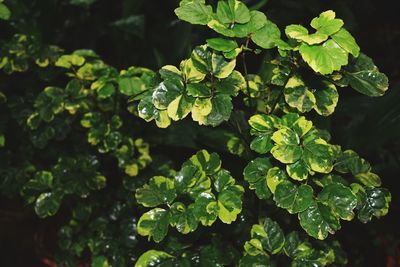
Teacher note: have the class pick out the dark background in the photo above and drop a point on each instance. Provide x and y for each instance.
(147, 33)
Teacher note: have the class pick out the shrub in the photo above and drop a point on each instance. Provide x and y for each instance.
(260, 184)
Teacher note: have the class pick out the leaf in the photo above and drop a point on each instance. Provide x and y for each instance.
(232, 11)
(5, 12)
(154, 224)
(231, 85)
(166, 92)
(210, 163)
(190, 73)
(182, 218)
(230, 204)
(220, 67)
(298, 170)
(67, 61)
(274, 177)
(287, 149)
(180, 107)
(364, 77)
(374, 202)
(318, 220)
(205, 208)
(369, 179)
(270, 234)
(326, 98)
(340, 198)
(255, 174)
(267, 36)
(153, 258)
(47, 204)
(263, 123)
(159, 190)
(326, 23)
(194, 13)
(255, 261)
(221, 110)
(221, 44)
(349, 161)
(298, 32)
(257, 21)
(100, 261)
(298, 96)
(193, 180)
(324, 58)
(318, 155)
(293, 198)
(347, 42)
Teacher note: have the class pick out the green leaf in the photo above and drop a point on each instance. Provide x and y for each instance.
(231, 85)
(166, 92)
(5, 13)
(255, 261)
(221, 110)
(340, 198)
(180, 107)
(267, 36)
(192, 179)
(159, 190)
(257, 21)
(298, 32)
(274, 177)
(205, 208)
(298, 96)
(287, 148)
(182, 218)
(270, 234)
(190, 73)
(349, 161)
(195, 13)
(221, 28)
(374, 202)
(198, 90)
(255, 174)
(232, 11)
(298, 170)
(210, 163)
(131, 85)
(326, 98)
(318, 220)
(364, 77)
(229, 198)
(220, 67)
(154, 224)
(153, 258)
(263, 123)
(326, 23)
(293, 198)
(347, 42)
(369, 179)
(100, 261)
(47, 204)
(67, 61)
(42, 181)
(324, 58)
(221, 44)
(318, 155)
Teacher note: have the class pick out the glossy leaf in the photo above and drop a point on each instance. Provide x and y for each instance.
(293, 198)
(159, 190)
(325, 58)
(153, 258)
(194, 12)
(318, 220)
(154, 224)
(255, 174)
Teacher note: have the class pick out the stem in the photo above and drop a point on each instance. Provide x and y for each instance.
(245, 66)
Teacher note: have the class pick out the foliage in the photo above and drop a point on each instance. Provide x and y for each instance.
(87, 141)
